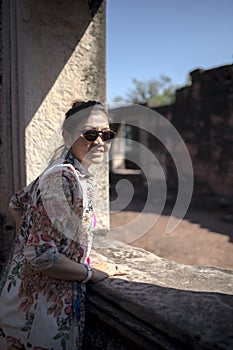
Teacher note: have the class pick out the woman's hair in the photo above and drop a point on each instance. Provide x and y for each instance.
(84, 109)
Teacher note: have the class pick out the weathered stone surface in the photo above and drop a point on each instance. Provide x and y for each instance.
(160, 304)
(64, 51)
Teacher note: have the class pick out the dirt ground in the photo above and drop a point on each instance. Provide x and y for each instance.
(204, 237)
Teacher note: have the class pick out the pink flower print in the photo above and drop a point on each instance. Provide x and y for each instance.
(14, 343)
(27, 304)
(56, 308)
(68, 298)
(68, 310)
(33, 238)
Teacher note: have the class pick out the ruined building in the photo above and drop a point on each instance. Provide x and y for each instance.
(203, 115)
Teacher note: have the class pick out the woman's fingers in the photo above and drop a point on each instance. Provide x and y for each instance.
(121, 270)
(112, 269)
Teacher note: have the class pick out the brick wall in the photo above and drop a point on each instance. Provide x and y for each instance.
(203, 115)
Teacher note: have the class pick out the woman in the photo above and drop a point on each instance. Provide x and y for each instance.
(43, 292)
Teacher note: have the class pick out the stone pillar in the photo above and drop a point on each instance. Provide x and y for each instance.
(12, 164)
(53, 52)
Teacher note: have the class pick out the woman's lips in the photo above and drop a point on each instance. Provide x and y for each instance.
(97, 152)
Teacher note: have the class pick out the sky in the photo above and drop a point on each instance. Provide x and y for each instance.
(150, 38)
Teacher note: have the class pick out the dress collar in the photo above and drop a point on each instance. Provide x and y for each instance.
(71, 159)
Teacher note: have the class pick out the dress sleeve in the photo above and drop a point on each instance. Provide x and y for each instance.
(20, 199)
(57, 213)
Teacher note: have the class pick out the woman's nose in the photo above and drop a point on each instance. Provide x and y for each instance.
(99, 140)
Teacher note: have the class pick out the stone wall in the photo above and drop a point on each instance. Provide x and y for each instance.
(159, 305)
(52, 53)
(203, 115)
(65, 54)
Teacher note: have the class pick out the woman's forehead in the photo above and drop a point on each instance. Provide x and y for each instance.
(96, 119)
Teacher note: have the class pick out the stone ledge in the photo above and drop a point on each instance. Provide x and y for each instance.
(159, 305)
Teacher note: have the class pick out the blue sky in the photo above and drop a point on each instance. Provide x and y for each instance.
(147, 38)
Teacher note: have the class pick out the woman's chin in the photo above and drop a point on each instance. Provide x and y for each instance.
(97, 159)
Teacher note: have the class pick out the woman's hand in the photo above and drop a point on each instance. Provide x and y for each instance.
(104, 270)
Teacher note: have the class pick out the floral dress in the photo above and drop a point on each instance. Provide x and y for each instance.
(38, 311)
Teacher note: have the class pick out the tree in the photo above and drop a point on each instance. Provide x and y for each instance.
(152, 92)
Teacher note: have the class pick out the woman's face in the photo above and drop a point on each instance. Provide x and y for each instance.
(91, 152)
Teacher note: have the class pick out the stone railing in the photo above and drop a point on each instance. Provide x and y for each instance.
(160, 304)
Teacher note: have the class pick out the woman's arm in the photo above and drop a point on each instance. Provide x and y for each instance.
(56, 192)
(67, 269)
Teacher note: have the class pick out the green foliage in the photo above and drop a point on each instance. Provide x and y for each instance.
(152, 92)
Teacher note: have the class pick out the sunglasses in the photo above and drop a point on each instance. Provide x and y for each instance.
(92, 135)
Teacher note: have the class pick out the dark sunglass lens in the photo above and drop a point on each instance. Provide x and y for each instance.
(108, 135)
(91, 135)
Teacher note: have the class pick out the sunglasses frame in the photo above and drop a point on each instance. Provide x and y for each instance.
(99, 133)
